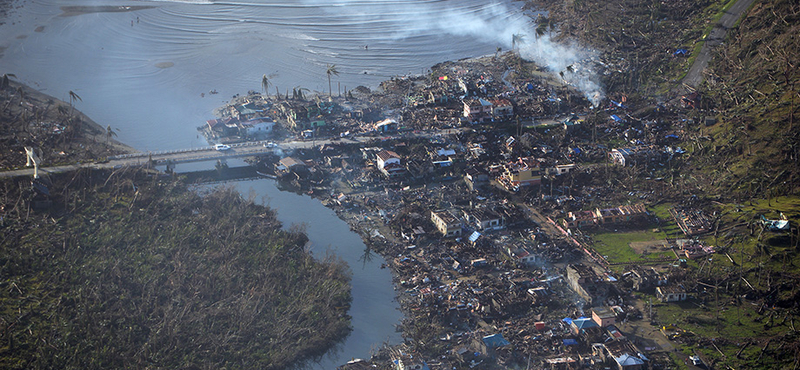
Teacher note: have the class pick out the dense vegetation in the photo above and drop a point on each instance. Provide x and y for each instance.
(126, 269)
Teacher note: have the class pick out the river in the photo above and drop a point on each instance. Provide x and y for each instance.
(149, 74)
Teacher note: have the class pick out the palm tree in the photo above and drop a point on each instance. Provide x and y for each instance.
(517, 39)
(541, 28)
(72, 98)
(20, 93)
(265, 84)
(331, 71)
(297, 93)
(109, 133)
(5, 82)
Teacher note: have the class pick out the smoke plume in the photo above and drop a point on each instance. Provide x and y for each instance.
(491, 23)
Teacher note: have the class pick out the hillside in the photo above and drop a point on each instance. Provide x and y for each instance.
(751, 85)
(741, 143)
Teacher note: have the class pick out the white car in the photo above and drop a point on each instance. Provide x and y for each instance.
(270, 145)
(222, 147)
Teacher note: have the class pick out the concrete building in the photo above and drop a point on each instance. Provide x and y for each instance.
(671, 293)
(603, 316)
(621, 354)
(633, 156)
(477, 109)
(581, 278)
(390, 164)
(484, 219)
(447, 225)
(520, 173)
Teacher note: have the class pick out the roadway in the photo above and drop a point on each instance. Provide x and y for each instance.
(240, 150)
(209, 153)
(695, 75)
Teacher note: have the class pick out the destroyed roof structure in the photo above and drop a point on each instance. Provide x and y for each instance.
(477, 109)
(671, 293)
(582, 279)
(483, 219)
(289, 163)
(600, 216)
(622, 353)
(520, 173)
(636, 155)
(691, 222)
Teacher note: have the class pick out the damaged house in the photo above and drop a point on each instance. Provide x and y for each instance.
(671, 293)
(613, 215)
(484, 219)
(390, 164)
(520, 173)
(622, 354)
(446, 223)
(477, 110)
(584, 281)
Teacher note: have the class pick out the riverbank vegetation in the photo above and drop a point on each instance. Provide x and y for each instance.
(129, 269)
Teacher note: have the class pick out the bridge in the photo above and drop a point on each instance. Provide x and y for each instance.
(208, 153)
(246, 149)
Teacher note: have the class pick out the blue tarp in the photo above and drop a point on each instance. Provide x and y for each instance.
(682, 52)
(583, 323)
(570, 342)
(495, 340)
(475, 235)
(618, 104)
(616, 118)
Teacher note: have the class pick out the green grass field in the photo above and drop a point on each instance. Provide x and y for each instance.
(616, 245)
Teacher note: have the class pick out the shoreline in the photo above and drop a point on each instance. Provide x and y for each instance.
(62, 133)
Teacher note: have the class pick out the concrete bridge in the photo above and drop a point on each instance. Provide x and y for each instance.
(209, 153)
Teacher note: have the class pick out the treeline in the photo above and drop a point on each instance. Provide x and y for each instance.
(125, 270)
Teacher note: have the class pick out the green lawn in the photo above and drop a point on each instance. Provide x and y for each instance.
(616, 245)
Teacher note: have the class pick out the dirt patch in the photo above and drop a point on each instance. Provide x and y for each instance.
(650, 246)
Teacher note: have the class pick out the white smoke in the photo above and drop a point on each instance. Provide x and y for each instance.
(492, 23)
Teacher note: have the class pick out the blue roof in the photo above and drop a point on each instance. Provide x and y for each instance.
(475, 235)
(584, 323)
(495, 340)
